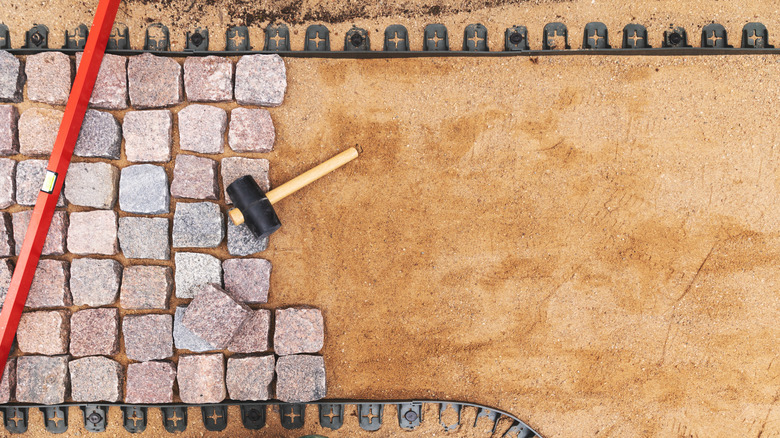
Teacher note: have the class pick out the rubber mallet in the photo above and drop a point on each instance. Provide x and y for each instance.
(255, 208)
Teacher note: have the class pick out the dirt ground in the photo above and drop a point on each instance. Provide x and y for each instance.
(590, 243)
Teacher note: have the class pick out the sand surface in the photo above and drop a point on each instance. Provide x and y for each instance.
(588, 242)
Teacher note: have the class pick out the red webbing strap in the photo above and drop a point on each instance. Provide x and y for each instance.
(55, 174)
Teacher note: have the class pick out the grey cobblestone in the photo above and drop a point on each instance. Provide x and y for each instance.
(143, 189)
(197, 225)
(100, 136)
(194, 270)
(148, 337)
(260, 80)
(144, 238)
(29, 180)
(9, 134)
(95, 282)
(41, 379)
(7, 182)
(11, 78)
(95, 379)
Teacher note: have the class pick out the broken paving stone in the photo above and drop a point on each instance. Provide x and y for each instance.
(150, 382)
(7, 182)
(41, 379)
(143, 189)
(249, 378)
(50, 285)
(252, 336)
(247, 279)
(298, 330)
(148, 136)
(8, 382)
(146, 287)
(208, 79)
(94, 332)
(49, 75)
(92, 232)
(11, 78)
(55, 239)
(92, 185)
(29, 180)
(154, 81)
(9, 140)
(144, 238)
(183, 338)
(300, 378)
(194, 177)
(194, 270)
(110, 90)
(37, 131)
(7, 245)
(202, 128)
(197, 225)
(44, 332)
(242, 242)
(94, 282)
(251, 130)
(234, 168)
(260, 80)
(148, 337)
(100, 136)
(95, 379)
(201, 378)
(215, 316)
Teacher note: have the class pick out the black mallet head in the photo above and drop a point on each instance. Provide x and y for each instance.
(252, 207)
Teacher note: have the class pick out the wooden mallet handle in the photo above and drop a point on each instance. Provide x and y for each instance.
(301, 181)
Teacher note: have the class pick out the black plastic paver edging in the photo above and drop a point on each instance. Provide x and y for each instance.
(443, 404)
(382, 54)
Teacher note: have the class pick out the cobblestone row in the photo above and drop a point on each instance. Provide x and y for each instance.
(133, 226)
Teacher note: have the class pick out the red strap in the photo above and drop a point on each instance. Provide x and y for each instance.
(56, 170)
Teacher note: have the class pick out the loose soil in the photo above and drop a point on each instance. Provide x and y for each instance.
(588, 242)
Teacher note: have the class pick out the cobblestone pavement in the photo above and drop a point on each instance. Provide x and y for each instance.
(129, 302)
